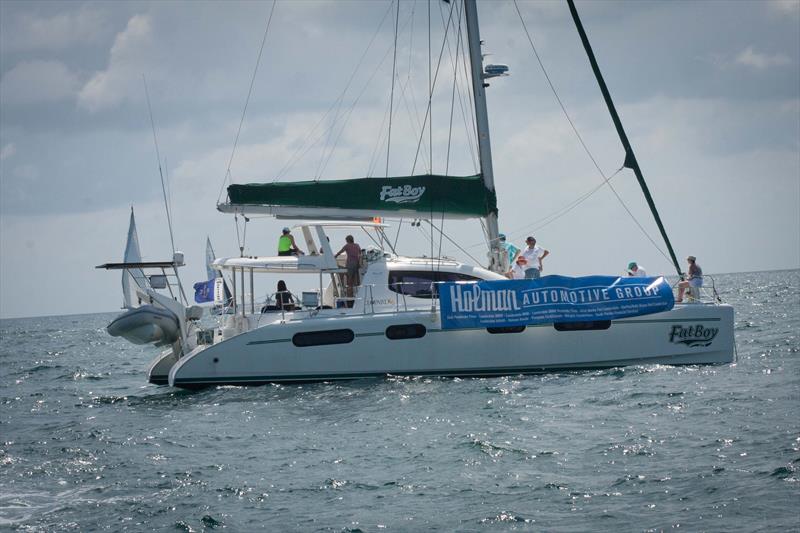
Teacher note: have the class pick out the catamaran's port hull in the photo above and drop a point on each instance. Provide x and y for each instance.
(686, 335)
(158, 371)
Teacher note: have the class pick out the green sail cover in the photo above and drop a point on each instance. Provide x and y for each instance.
(465, 196)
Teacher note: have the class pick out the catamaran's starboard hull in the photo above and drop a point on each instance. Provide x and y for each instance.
(690, 334)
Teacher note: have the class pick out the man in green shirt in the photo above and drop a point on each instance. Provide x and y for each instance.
(286, 244)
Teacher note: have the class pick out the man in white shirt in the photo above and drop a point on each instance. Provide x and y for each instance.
(533, 254)
(636, 271)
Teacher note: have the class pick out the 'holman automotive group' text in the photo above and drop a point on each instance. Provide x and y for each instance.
(470, 297)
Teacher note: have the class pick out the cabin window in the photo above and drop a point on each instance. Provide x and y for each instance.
(406, 331)
(506, 329)
(321, 338)
(582, 326)
(417, 283)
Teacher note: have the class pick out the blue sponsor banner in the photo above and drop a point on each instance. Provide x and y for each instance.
(550, 299)
(204, 291)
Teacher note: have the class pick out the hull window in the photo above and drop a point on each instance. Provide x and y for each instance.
(582, 326)
(507, 329)
(406, 331)
(419, 283)
(321, 338)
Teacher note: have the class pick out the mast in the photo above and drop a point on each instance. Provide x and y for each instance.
(482, 123)
(630, 157)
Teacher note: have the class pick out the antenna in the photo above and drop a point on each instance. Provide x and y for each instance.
(160, 172)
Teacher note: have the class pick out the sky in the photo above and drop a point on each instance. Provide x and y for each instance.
(708, 91)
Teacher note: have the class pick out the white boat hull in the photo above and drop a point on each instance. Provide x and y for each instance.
(687, 334)
(158, 371)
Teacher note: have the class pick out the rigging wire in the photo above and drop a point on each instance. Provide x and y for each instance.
(569, 207)
(169, 184)
(477, 262)
(468, 128)
(430, 221)
(421, 230)
(580, 139)
(415, 123)
(327, 147)
(391, 98)
(430, 91)
(397, 235)
(435, 77)
(307, 144)
(452, 95)
(160, 172)
(340, 99)
(238, 238)
(556, 214)
(441, 234)
(408, 87)
(370, 237)
(373, 160)
(385, 238)
(247, 101)
(469, 114)
(485, 234)
(414, 117)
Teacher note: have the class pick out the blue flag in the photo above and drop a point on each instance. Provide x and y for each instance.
(550, 299)
(204, 291)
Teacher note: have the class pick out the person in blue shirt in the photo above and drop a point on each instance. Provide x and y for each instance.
(512, 250)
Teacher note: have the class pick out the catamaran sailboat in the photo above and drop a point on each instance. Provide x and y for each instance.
(399, 319)
(393, 326)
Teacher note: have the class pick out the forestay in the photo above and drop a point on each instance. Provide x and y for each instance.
(551, 299)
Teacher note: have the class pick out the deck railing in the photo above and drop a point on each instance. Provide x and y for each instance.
(706, 293)
(365, 304)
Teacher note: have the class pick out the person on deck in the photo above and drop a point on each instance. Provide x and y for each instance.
(283, 298)
(533, 254)
(518, 269)
(512, 250)
(284, 301)
(636, 271)
(694, 281)
(286, 244)
(353, 252)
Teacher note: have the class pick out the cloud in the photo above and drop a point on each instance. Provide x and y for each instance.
(38, 81)
(784, 6)
(29, 32)
(7, 151)
(132, 46)
(750, 58)
(27, 173)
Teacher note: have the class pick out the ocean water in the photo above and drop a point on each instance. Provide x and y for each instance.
(87, 444)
